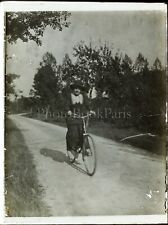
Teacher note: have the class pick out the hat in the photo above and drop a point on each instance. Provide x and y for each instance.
(77, 84)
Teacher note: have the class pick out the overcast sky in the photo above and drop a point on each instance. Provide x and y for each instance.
(128, 32)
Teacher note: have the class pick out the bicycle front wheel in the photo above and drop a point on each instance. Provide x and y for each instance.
(89, 154)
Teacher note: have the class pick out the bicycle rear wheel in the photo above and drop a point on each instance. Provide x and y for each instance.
(89, 154)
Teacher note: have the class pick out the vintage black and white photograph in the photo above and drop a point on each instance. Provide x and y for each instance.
(85, 112)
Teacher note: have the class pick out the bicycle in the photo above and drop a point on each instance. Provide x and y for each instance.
(88, 149)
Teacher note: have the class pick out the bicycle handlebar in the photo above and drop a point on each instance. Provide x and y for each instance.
(80, 117)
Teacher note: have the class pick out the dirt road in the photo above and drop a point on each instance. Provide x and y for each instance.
(127, 181)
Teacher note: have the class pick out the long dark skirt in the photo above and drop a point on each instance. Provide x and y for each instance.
(74, 136)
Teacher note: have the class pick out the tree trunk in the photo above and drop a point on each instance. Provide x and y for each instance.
(47, 112)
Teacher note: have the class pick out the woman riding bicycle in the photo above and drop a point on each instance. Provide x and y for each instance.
(77, 104)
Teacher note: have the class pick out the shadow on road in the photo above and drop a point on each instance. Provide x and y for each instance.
(54, 154)
(60, 157)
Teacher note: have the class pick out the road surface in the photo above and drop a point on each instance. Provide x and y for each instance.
(128, 180)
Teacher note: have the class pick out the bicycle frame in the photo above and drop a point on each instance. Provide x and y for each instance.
(85, 123)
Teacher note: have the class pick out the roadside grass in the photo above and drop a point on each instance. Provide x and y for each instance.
(153, 144)
(23, 196)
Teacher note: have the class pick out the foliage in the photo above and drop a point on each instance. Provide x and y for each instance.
(48, 60)
(67, 70)
(91, 65)
(141, 64)
(31, 25)
(157, 65)
(46, 84)
(10, 90)
(9, 81)
(120, 85)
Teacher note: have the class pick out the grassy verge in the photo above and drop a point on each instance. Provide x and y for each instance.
(23, 193)
(153, 144)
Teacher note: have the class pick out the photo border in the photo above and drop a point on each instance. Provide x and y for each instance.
(69, 6)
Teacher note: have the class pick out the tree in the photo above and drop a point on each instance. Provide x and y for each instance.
(9, 84)
(103, 70)
(31, 25)
(47, 86)
(126, 84)
(113, 80)
(157, 65)
(126, 65)
(141, 71)
(141, 64)
(49, 60)
(67, 70)
(10, 89)
(91, 62)
(86, 60)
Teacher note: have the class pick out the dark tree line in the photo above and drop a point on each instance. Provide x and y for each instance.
(120, 84)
